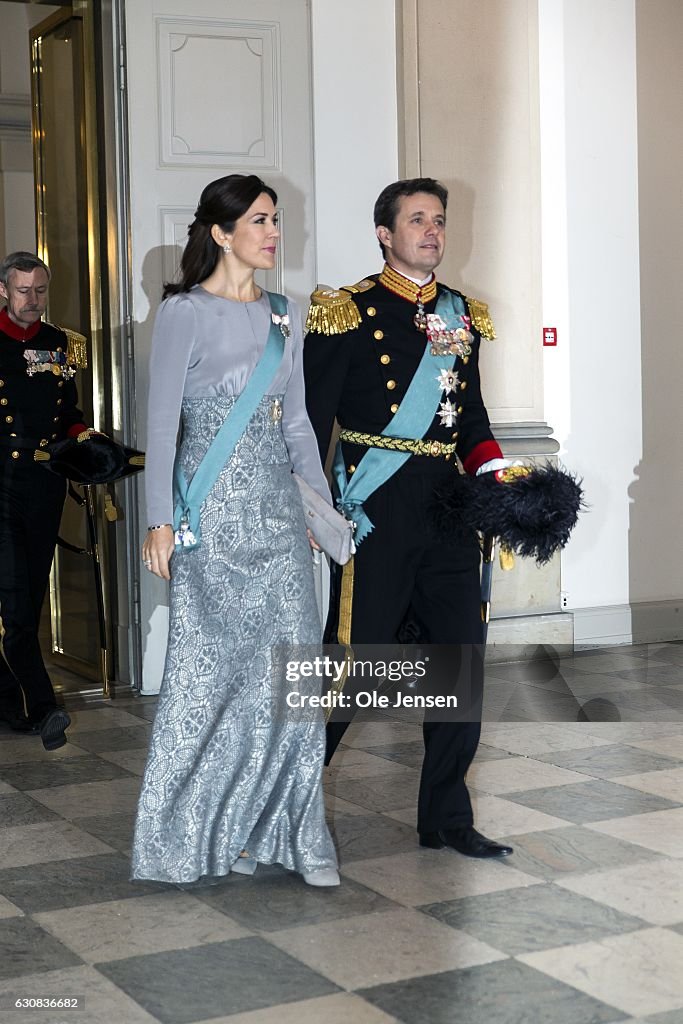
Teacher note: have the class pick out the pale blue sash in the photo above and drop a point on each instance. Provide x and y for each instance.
(189, 498)
(412, 420)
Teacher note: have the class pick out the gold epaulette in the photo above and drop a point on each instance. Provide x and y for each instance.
(76, 347)
(332, 311)
(481, 318)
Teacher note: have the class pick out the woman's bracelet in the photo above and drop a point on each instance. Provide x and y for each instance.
(159, 526)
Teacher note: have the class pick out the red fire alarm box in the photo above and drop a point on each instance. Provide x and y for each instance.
(549, 336)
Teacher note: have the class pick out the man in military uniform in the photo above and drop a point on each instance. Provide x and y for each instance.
(38, 404)
(394, 359)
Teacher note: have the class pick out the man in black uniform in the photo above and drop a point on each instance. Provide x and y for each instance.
(394, 359)
(38, 404)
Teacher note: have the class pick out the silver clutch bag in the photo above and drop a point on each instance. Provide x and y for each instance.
(330, 529)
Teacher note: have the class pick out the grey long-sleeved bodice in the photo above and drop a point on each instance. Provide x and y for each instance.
(206, 346)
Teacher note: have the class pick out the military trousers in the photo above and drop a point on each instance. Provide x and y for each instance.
(402, 573)
(31, 502)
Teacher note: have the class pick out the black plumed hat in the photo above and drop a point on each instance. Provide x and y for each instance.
(531, 510)
(94, 460)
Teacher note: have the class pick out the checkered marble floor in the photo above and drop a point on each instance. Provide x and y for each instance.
(580, 768)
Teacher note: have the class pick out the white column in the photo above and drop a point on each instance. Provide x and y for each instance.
(591, 288)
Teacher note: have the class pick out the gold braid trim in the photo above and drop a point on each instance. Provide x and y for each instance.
(344, 629)
(481, 318)
(416, 446)
(76, 348)
(332, 311)
(407, 289)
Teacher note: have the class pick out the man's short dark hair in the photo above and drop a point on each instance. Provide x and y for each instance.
(25, 261)
(386, 207)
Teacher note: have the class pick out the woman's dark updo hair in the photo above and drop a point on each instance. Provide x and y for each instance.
(222, 202)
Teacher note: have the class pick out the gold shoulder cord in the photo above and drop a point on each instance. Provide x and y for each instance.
(481, 318)
(333, 311)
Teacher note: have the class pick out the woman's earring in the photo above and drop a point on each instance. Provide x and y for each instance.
(226, 249)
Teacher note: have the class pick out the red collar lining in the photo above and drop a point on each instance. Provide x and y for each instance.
(15, 331)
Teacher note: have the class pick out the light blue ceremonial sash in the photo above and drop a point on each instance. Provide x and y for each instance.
(189, 498)
(412, 420)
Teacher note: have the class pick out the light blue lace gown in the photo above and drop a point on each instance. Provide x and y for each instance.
(226, 772)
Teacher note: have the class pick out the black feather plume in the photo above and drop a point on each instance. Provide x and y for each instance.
(532, 515)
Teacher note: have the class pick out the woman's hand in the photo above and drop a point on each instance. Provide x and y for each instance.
(312, 541)
(157, 550)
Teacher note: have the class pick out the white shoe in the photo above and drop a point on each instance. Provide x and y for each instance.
(324, 877)
(244, 865)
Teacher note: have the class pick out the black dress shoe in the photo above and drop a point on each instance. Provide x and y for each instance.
(52, 728)
(465, 839)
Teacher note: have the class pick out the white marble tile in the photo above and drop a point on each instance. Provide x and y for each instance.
(667, 783)
(131, 760)
(669, 746)
(30, 748)
(661, 831)
(47, 841)
(652, 891)
(614, 662)
(8, 909)
(531, 738)
(431, 876)
(344, 1008)
(517, 774)
(496, 817)
(101, 718)
(369, 764)
(407, 815)
(639, 973)
(381, 948)
(379, 734)
(626, 732)
(84, 799)
(345, 757)
(104, 1001)
(136, 927)
(336, 805)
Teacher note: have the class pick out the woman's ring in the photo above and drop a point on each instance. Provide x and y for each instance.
(147, 562)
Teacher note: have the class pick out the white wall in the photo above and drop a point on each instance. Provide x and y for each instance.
(590, 215)
(355, 130)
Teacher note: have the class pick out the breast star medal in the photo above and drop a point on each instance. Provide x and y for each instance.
(448, 380)
(448, 412)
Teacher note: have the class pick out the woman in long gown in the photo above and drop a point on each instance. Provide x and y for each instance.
(229, 781)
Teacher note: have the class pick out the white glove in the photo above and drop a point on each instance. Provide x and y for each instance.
(493, 465)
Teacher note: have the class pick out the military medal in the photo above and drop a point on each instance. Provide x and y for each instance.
(184, 536)
(42, 360)
(448, 412)
(448, 381)
(283, 323)
(446, 342)
(420, 318)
